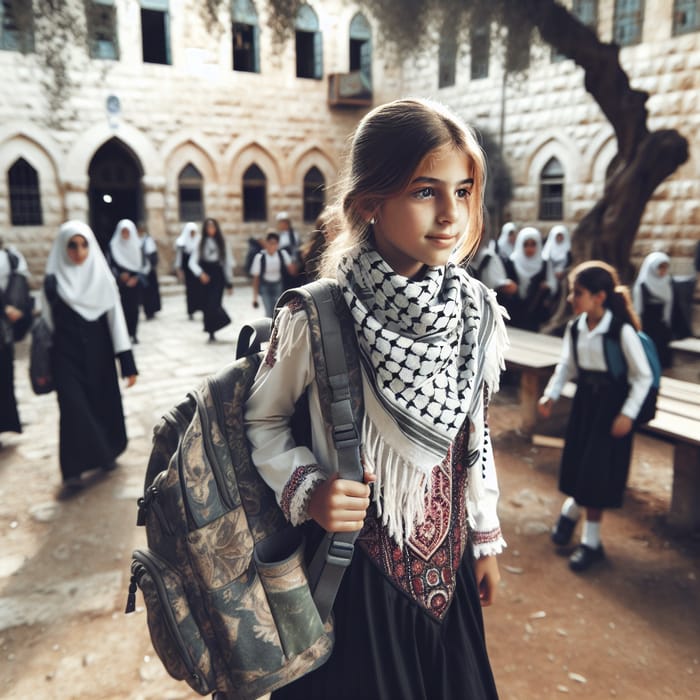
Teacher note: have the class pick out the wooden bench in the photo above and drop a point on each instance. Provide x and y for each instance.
(686, 349)
(677, 417)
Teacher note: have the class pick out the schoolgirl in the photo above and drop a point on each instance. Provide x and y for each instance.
(408, 622)
(506, 240)
(557, 250)
(130, 267)
(13, 314)
(531, 306)
(81, 304)
(596, 458)
(151, 293)
(652, 295)
(185, 244)
(212, 263)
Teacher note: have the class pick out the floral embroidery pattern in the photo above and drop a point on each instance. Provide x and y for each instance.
(426, 568)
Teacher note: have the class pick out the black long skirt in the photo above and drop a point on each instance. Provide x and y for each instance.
(151, 295)
(193, 287)
(131, 302)
(92, 432)
(9, 416)
(215, 316)
(595, 465)
(388, 648)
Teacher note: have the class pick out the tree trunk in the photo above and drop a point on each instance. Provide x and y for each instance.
(644, 159)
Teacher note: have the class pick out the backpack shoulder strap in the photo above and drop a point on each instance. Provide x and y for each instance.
(612, 348)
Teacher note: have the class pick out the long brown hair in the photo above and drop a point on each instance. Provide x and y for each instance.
(387, 147)
(597, 276)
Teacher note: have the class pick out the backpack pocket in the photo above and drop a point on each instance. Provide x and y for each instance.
(175, 635)
(280, 563)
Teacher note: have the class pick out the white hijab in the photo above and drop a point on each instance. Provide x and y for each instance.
(527, 267)
(557, 253)
(659, 287)
(505, 247)
(89, 289)
(128, 252)
(188, 238)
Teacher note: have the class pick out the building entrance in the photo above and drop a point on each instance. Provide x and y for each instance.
(115, 190)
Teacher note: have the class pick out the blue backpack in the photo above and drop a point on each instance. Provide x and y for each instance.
(617, 365)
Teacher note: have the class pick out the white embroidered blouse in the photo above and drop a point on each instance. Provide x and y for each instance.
(293, 471)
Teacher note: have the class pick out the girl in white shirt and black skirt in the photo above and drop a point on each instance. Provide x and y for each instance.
(598, 444)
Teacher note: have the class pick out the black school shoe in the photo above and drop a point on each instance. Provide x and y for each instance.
(584, 557)
(562, 531)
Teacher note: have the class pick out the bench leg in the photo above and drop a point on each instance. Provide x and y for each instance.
(685, 497)
(531, 388)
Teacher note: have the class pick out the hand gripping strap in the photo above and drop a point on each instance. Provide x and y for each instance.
(335, 364)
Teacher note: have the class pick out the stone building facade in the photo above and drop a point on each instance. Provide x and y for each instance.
(173, 121)
(555, 140)
(183, 134)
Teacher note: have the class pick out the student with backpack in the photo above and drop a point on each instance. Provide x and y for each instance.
(269, 269)
(598, 444)
(408, 622)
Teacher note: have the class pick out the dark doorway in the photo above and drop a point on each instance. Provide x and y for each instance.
(115, 189)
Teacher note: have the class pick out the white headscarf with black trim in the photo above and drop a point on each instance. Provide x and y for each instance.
(527, 267)
(89, 289)
(659, 287)
(188, 239)
(555, 251)
(423, 346)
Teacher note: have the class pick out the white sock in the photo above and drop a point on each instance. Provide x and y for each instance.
(571, 509)
(591, 534)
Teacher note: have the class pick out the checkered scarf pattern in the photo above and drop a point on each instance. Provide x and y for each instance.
(421, 345)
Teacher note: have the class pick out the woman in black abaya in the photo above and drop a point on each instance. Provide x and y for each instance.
(130, 267)
(81, 304)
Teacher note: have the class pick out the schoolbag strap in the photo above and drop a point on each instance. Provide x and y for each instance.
(612, 349)
(573, 331)
(335, 551)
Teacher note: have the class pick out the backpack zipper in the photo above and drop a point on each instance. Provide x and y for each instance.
(150, 502)
(148, 562)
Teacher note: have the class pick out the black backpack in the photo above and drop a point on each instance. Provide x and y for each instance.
(231, 604)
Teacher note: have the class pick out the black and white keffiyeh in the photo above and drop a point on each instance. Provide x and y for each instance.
(422, 345)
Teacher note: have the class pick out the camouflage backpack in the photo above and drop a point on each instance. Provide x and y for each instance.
(231, 605)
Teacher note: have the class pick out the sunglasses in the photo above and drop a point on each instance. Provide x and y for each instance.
(74, 245)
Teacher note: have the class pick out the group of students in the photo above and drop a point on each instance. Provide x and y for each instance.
(524, 271)
(432, 342)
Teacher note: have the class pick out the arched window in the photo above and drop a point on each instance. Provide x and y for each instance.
(627, 23)
(552, 191)
(314, 194)
(191, 202)
(309, 44)
(480, 51)
(254, 194)
(361, 47)
(447, 56)
(246, 36)
(25, 198)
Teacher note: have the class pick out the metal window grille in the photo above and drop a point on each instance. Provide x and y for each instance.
(686, 16)
(627, 24)
(25, 196)
(552, 191)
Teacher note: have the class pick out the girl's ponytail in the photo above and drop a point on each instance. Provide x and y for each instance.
(620, 303)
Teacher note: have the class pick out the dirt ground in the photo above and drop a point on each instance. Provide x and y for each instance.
(628, 629)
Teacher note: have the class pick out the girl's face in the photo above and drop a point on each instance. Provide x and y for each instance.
(530, 247)
(583, 300)
(559, 238)
(77, 249)
(422, 225)
(211, 228)
(125, 233)
(662, 270)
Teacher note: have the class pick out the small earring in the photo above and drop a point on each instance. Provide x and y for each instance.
(373, 221)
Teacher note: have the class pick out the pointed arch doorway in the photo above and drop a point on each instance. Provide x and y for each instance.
(115, 190)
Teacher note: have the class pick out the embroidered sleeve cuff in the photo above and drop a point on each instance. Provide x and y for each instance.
(296, 494)
(487, 544)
